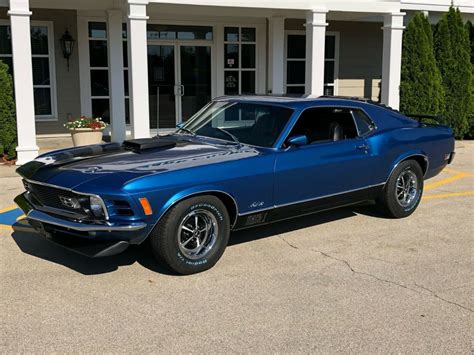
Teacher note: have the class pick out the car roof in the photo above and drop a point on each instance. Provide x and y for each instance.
(384, 116)
(305, 101)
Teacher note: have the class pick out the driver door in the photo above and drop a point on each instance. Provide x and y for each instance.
(325, 170)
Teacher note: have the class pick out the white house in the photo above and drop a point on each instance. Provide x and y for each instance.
(145, 65)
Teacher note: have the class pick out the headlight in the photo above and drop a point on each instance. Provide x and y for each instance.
(97, 206)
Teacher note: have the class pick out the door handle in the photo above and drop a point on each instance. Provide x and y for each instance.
(362, 146)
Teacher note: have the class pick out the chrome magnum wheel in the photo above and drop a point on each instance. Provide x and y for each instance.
(407, 188)
(197, 233)
(192, 236)
(402, 192)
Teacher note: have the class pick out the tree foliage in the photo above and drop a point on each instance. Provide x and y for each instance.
(421, 88)
(470, 30)
(7, 114)
(452, 49)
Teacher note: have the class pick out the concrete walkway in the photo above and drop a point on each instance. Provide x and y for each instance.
(347, 281)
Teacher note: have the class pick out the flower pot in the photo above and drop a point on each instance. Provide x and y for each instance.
(86, 136)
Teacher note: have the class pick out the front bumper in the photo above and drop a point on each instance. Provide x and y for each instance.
(93, 240)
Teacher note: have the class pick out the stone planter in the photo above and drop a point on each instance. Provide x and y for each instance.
(86, 136)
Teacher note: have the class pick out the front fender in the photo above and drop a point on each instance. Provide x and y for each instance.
(192, 191)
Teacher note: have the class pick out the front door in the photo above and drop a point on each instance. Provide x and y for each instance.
(179, 82)
(337, 160)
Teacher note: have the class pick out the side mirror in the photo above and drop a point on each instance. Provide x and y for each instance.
(298, 140)
(180, 125)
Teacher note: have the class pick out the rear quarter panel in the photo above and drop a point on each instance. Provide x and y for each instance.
(398, 138)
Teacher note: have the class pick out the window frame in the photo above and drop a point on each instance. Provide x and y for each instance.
(335, 83)
(52, 68)
(239, 69)
(91, 68)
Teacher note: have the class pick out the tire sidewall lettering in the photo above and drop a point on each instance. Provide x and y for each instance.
(210, 208)
(191, 262)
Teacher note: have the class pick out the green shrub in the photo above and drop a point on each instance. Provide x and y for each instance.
(452, 49)
(7, 114)
(421, 87)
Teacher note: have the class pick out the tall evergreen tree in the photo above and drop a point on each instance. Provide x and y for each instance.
(421, 89)
(7, 114)
(470, 30)
(452, 51)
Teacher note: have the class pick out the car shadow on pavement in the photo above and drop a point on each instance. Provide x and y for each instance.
(33, 244)
(289, 225)
(311, 220)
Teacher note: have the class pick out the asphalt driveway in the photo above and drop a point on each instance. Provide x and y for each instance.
(342, 281)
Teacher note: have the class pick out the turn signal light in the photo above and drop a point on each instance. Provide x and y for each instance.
(145, 205)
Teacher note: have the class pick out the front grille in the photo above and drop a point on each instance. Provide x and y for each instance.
(50, 197)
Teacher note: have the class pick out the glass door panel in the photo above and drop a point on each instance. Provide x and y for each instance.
(195, 75)
(161, 86)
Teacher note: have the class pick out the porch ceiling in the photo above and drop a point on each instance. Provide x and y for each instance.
(360, 10)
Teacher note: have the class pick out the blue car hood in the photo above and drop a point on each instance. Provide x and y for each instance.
(111, 166)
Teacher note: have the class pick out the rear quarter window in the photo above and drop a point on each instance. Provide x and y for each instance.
(363, 122)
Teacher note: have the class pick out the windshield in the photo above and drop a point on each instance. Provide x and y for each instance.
(248, 123)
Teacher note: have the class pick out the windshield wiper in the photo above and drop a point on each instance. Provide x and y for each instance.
(186, 130)
(234, 138)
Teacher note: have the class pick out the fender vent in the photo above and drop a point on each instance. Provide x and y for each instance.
(121, 208)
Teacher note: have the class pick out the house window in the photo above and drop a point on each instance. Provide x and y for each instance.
(42, 52)
(239, 60)
(296, 63)
(155, 31)
(99, 70)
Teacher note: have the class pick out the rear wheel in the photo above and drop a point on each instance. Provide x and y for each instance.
(192, 236)
(402, 193)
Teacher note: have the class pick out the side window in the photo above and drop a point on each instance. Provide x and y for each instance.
(364, 123)
(325, 124)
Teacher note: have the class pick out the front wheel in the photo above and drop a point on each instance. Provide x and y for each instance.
(192, 236)
(402, 193)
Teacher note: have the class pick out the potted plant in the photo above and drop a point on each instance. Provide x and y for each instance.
(86, 130)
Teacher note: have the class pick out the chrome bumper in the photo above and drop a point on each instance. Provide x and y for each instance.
(38, 216)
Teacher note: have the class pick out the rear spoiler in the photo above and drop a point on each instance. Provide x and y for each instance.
(430, 119)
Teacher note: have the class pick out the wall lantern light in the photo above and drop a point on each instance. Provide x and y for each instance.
(67, 46)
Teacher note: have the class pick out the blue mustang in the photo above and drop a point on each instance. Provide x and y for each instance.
(237, 163)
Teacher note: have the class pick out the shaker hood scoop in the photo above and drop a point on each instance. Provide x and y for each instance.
(139, 145)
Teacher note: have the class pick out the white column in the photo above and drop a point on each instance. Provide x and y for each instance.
(23, 76)
(315, 43)
(84, 64)
(116, 81)
(138, 68)
(392, 58)
(218, 50)
(277, 45)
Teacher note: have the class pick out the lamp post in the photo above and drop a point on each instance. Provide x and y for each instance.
(67, 46)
